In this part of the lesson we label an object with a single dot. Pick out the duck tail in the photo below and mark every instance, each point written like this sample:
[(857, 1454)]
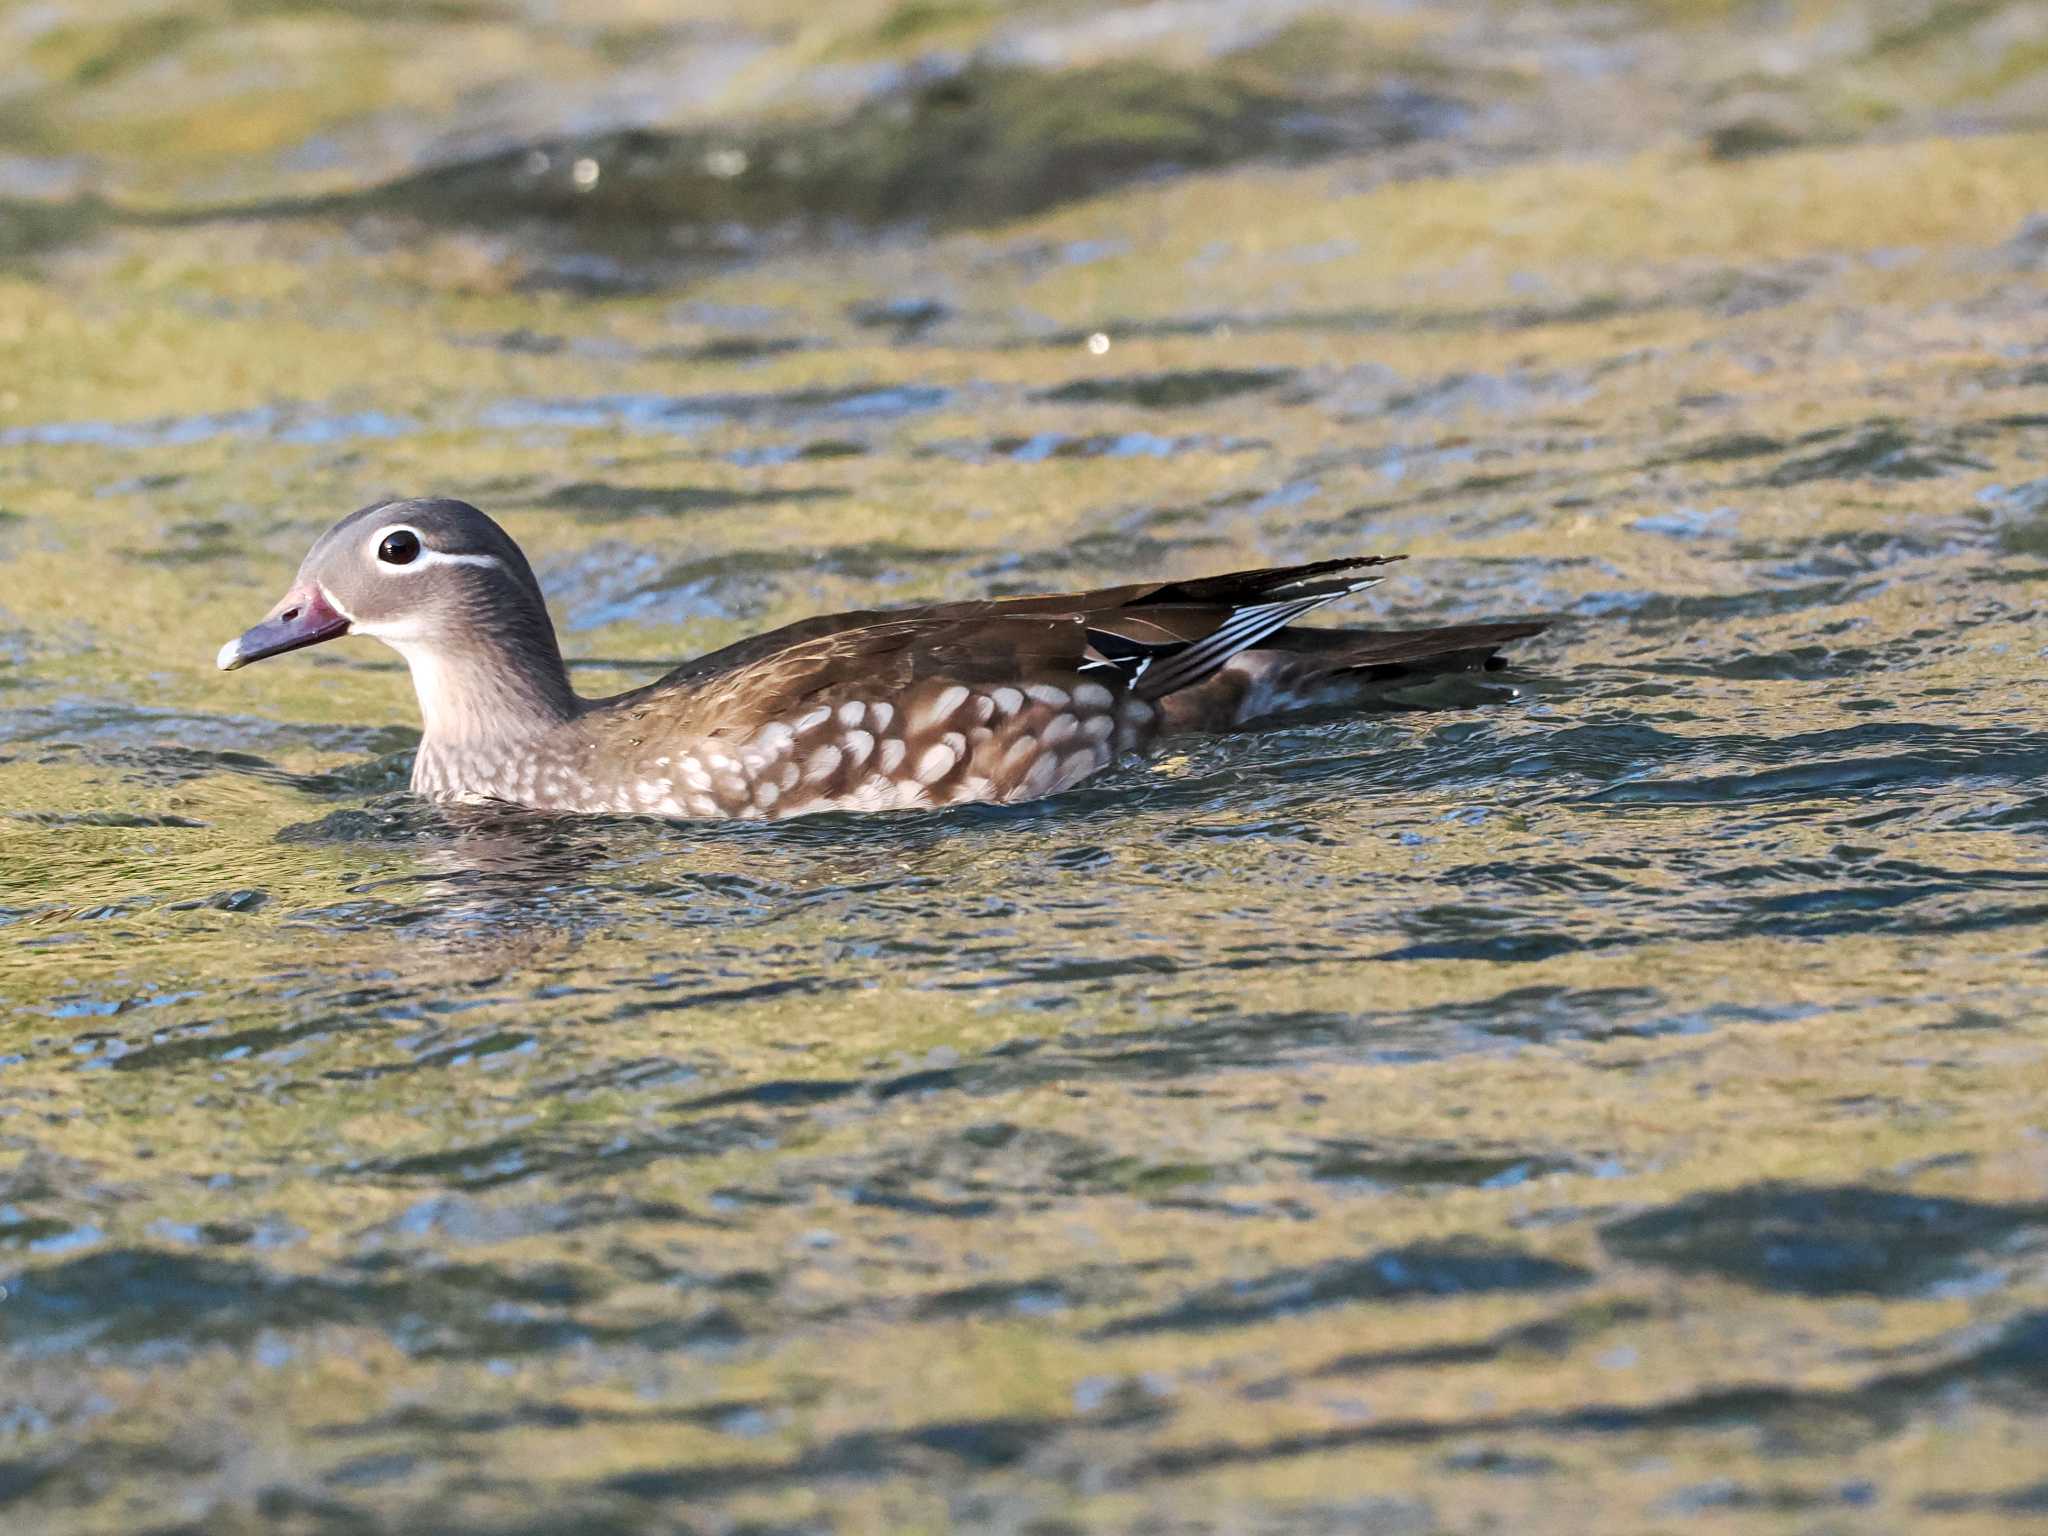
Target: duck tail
[(1296, 670)]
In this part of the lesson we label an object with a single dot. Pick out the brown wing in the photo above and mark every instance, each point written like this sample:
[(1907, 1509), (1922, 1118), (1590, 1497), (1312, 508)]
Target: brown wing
[(885, 659), (998, 700), (1210, 617), (920, 711)]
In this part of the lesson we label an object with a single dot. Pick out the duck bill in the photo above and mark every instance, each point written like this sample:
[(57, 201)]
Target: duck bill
[(304, 618)]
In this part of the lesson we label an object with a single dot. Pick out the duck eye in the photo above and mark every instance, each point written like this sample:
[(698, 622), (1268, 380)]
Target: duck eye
[(400, 548)]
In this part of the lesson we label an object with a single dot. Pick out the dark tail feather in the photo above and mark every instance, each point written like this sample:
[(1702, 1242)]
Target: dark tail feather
[(1186, 665), (1170, 638), (1311, 669), (1452, 648), (1243, 589)]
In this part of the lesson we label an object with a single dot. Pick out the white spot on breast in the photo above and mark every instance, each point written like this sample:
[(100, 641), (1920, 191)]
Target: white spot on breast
[(1039, 779), (857, 745), (1078, 765), (871, 795), (813, 719), (1091, 695), (984, 706), (885, 795), (891, 755), (937, 762), (1097, 727), (766, 794), (1018, 752), (1057, 730), (852, 712), (822, 763), (1138, 712), (1046, 694), (940, 707), (694, 774), (1008, 700), (774, 736), (789, 773), (719, 762), (883, 714)]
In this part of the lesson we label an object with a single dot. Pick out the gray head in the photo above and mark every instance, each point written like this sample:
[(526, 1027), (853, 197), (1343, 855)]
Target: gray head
[(446, 588)]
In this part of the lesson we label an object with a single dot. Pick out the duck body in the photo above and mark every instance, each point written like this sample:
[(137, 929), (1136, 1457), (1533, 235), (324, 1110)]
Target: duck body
[(936, 743), (999, 700)]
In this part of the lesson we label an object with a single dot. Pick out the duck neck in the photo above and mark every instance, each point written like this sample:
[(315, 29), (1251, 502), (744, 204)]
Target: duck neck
[(489, 690)]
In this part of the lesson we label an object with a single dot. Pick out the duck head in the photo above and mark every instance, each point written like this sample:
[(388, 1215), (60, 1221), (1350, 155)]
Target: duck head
[(445, 587)]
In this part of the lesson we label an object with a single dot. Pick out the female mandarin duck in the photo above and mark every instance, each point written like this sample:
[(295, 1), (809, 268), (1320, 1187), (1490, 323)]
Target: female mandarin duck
[(1000, 700)]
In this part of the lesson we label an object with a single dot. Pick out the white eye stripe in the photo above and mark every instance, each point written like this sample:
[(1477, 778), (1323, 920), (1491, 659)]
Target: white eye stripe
[(426, 557), (437, 557)]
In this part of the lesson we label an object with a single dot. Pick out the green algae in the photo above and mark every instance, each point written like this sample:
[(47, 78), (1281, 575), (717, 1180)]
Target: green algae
[(30, 228), (919, 21), (1169, 390), (989, 142)]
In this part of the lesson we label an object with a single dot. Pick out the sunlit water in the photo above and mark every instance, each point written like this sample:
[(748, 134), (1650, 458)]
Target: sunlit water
[(1607, 1095)]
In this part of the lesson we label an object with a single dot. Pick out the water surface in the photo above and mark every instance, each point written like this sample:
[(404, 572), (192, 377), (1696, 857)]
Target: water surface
[(1608, 1096)]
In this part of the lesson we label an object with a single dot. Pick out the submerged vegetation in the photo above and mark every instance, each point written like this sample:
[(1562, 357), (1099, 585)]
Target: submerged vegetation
[(712, 138), (987, 142)]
